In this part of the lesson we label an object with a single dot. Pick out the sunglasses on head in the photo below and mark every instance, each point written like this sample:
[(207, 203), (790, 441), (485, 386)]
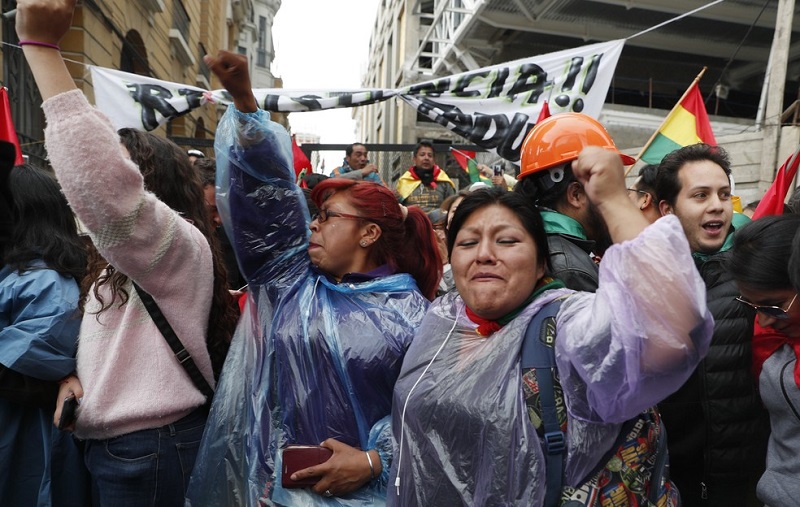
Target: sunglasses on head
[(776, 312)]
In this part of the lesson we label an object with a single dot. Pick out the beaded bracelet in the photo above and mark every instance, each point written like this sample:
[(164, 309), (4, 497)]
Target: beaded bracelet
[(371, 468), (40, 44)]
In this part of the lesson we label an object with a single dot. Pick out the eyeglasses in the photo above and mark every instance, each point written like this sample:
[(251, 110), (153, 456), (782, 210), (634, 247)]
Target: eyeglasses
[(324, 214), (637, 191), (776, 312)]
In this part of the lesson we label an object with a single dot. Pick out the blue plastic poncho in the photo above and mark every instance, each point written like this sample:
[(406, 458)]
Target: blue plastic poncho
[(311, 359), (460, 415), (39, 322)]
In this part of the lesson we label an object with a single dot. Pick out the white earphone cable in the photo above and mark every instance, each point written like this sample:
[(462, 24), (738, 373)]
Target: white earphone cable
[(405, 404)]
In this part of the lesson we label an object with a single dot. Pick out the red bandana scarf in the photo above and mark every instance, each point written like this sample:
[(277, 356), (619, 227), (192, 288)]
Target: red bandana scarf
[(436, 171), (488, 327), (765, 342)]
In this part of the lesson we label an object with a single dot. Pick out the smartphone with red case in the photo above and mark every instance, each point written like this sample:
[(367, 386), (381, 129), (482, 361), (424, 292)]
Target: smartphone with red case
[(298, 457)]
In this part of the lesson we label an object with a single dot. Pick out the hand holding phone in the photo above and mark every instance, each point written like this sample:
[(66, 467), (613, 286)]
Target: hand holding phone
[(498, 169), (299, 457), (68, 412)]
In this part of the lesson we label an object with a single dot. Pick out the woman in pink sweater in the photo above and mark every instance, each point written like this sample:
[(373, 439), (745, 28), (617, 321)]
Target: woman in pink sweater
[(143, 206)]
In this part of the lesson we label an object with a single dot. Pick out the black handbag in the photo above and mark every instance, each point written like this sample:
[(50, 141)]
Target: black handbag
[(181, 354)]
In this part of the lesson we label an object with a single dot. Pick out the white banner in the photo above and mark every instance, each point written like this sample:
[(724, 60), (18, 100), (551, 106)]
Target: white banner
[(134, 101), (298, 101), (493, 107), (496, 106)]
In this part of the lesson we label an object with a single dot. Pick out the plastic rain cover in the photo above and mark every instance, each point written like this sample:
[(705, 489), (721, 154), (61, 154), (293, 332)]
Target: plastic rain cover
[(466, 438), (310, 359)]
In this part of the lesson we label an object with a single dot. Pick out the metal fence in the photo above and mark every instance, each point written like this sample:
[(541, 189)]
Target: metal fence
[(392, 160)]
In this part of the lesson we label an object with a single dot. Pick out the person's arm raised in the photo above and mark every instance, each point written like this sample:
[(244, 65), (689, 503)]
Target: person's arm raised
[(601, 174), (262, 208), (638, 338), (128, 225), (231, 69), (45, 22)]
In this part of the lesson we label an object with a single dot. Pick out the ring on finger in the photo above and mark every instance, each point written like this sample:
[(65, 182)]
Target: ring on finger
[(328, 493)]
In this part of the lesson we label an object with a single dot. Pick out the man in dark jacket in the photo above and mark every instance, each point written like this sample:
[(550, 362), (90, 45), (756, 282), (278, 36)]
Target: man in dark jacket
[(576, 233), (717, 426)]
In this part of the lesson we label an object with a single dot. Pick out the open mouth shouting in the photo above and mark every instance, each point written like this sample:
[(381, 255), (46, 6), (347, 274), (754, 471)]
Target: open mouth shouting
[(714, 228)]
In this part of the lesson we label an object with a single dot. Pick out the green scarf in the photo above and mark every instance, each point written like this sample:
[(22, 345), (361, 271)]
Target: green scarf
[(556, 223), (738, 220), (548, 283)]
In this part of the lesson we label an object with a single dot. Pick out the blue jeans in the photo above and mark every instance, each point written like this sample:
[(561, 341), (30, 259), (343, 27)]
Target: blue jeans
[(148, 467)]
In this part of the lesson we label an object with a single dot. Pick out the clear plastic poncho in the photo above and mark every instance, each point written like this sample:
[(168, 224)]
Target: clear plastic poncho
[(460, 417), (310, 359)]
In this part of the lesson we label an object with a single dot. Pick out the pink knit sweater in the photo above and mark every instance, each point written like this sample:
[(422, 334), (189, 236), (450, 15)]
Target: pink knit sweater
[(130, 377)]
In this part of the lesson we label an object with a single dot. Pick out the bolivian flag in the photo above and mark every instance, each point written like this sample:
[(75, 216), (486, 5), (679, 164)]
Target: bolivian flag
[(686, 124), (466, 159)]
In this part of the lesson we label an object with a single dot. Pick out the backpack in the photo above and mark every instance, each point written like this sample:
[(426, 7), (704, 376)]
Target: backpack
[(634, 472)]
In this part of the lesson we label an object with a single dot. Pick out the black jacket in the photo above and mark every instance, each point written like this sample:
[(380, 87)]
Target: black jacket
[(717, 427), (571, 263)]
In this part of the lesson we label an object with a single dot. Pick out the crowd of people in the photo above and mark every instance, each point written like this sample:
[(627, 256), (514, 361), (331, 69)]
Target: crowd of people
[(215, 335)]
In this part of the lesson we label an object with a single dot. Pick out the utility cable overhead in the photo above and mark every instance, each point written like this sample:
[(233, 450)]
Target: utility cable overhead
[(736, 52)]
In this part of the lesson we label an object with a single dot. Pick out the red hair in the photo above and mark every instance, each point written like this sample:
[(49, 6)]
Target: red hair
[(407, 245)]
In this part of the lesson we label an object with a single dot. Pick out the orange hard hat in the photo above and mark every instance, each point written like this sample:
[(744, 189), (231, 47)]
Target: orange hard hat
[(559, 139)]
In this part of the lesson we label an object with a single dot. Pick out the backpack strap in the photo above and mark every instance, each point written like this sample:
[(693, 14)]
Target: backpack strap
[(538, 352), (181, 354), (660, 469)]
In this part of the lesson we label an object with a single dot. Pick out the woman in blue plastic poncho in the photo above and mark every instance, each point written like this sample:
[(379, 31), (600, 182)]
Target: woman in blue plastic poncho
[(461, 407), (329, 318), (43, 262)]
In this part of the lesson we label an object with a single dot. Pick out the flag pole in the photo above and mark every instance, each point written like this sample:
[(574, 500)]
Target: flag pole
[(677, 104), (468, 158), (462, 153)]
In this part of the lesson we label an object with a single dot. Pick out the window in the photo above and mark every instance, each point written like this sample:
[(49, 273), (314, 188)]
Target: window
[(133, 57), (261, 52)]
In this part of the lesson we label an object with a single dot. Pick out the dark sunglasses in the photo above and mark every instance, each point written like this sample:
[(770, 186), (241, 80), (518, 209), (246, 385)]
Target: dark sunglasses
[(324, 214), (776, 312)]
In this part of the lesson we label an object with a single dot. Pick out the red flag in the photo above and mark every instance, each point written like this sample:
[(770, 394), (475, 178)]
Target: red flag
[(7, 131), (544, 113), (772, 202), (462, 157), (300, 160)]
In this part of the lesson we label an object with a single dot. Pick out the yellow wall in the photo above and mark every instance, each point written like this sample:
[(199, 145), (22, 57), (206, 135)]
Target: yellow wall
[(96, 38)]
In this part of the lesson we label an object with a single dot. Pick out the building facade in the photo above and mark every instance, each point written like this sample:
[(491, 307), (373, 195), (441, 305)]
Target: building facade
[(255, 37), (418, 40), (163, 39)]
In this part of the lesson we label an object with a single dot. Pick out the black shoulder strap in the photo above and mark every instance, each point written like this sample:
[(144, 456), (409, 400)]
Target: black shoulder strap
[(538, 351), (181, 354)]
